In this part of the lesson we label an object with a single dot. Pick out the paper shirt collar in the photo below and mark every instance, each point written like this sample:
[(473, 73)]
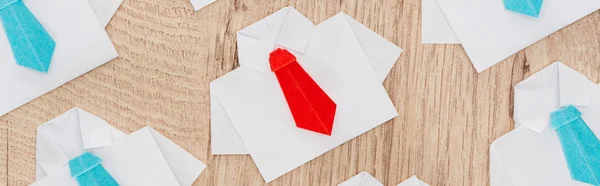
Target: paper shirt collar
[(84, 130), (286, 28), (548, 90)]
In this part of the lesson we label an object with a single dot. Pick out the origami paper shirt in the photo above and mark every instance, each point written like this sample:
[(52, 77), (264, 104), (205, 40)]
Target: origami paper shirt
[(144, 157), (88, 170), (82, 44), (580, 145), (250, 112), (528, 7), (31, 45), (489, 32), (532, 153), (311, 107)]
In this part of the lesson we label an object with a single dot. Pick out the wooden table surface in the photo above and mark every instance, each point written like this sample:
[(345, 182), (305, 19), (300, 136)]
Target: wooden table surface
[(169, 53)]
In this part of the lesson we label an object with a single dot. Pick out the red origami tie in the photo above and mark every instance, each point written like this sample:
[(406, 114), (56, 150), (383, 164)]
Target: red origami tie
[(311, 107)]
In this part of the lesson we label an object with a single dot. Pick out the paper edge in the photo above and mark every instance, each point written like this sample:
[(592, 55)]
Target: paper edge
[(199, 4)]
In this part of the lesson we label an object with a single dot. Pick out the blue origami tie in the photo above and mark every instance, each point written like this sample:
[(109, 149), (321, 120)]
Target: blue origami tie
[(32, 46), (580, 146), (528, 7), (88, 170)]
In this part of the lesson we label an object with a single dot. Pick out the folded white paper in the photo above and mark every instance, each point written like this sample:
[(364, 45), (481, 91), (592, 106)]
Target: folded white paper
[(145, 157), (361, 179), (435, 28), (413, 181), (81, 45), (199, 4), (489, 33), (531, 154), (249, 112), (365, 179), (105, 9)]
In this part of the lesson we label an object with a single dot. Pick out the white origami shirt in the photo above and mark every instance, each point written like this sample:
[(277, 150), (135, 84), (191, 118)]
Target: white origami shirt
[(77, 27), (532, 153), (144, 157), (248, 110), (489, 33)]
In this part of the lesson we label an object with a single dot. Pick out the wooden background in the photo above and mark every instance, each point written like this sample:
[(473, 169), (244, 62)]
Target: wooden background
[(169, 53)]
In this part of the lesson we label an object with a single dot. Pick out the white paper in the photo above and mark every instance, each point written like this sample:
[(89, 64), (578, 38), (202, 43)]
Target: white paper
[(548, 90), (257, 41), (435, 28), (489, 33), (81, 45), (184, 165), (382, 54), (224, 138), (252, 100), (366, 179), (199, 4), (144, 157), (137, 160), (105, 9), (527, 156), (60, 139), (413, 181), (361, 179)]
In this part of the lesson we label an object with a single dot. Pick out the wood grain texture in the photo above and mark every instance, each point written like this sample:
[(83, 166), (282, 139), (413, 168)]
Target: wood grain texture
[(169, 53)]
